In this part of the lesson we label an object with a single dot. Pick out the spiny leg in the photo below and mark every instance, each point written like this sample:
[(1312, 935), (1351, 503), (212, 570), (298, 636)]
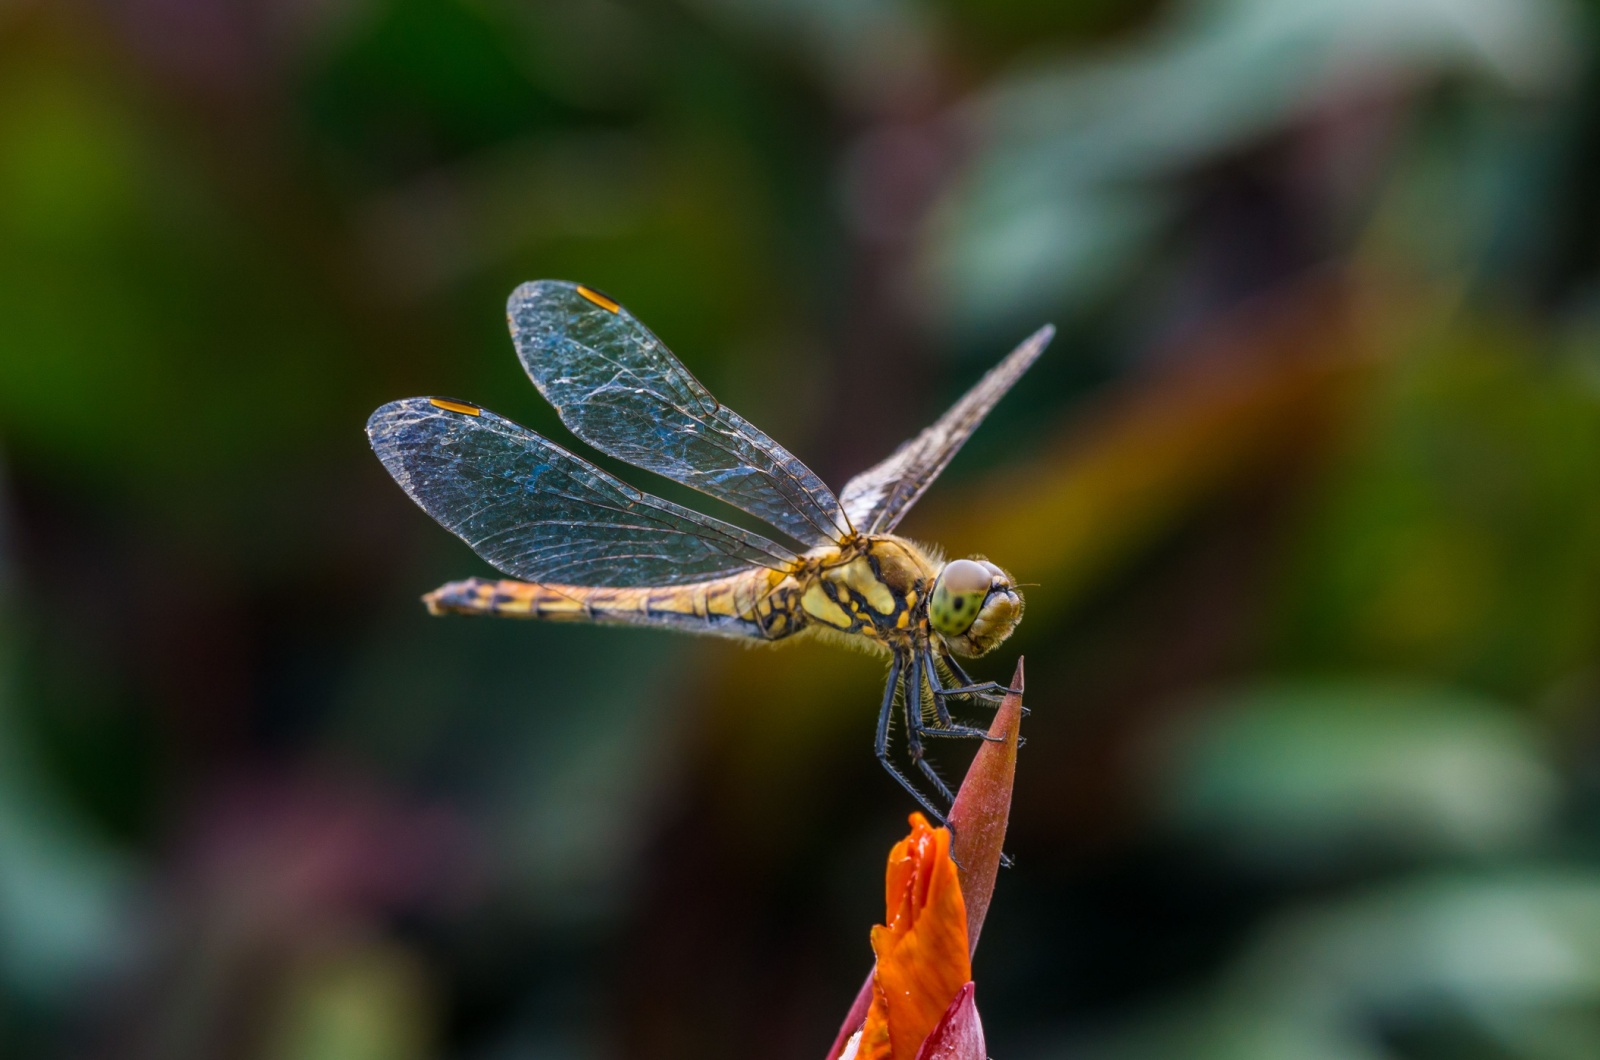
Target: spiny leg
[(979, 689), (915, 730), (885, 713), (947, 727), (983, 690)]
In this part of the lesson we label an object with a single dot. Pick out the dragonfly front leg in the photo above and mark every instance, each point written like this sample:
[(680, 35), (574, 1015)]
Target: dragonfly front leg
[(947, 726), (968, 687), (885, 713)]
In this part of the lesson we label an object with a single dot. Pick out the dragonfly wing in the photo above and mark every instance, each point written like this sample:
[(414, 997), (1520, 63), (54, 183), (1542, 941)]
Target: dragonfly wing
[(537, 512), (616, 386), (877, 499)]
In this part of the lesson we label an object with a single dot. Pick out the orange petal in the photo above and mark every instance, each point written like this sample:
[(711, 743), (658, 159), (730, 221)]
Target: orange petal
[(923, 958)]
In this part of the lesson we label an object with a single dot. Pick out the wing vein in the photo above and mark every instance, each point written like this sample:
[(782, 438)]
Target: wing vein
[(616, 386), (536, 511)]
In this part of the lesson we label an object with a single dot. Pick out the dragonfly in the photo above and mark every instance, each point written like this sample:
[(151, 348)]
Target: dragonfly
[(580, 545)]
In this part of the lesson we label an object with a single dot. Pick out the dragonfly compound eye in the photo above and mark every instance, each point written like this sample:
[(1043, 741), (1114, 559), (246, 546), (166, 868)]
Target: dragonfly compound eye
[(958, 595)]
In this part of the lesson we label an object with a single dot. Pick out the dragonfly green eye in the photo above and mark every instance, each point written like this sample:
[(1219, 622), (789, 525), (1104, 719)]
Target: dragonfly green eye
[(958, 596)]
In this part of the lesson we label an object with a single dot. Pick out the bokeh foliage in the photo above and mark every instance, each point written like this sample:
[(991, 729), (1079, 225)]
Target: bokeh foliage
[(1307, 489)]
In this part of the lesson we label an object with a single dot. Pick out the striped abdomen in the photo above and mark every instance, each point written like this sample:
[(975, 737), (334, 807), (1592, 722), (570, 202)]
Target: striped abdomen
[(754, 603)]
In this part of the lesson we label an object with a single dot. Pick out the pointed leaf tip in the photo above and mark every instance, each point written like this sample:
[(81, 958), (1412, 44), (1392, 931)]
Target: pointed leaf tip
[(983, 807)]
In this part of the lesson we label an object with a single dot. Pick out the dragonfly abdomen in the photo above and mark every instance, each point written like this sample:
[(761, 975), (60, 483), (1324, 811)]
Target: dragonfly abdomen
[(745, 605)]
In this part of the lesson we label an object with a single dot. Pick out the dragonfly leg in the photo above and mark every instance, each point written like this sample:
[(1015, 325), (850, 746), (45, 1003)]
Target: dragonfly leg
[(983, 690), (947, 726), (885, 714), (915, 729), (939, 784), (955, 668), (990, 690), (935, 683)]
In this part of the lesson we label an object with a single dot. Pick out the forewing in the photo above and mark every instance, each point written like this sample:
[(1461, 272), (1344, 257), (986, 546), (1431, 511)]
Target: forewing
[(877, 499), (616, 386), (539, 513)]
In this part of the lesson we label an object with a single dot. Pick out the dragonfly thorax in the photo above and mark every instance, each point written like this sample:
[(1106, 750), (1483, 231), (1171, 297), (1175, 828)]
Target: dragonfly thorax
[(887, 589), (876, 586)]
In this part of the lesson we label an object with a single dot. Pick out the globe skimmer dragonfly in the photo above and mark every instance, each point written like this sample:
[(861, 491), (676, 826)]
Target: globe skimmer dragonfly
[(580, 545)]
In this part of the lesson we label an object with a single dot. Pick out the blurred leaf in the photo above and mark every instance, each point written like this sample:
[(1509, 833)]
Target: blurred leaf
[(62, 888), (1075, 177), (1500, 966), (865, 50), (993, 28), (1295, 774), (362, 1003), (165, 345), (1461, 537), (417, 82)]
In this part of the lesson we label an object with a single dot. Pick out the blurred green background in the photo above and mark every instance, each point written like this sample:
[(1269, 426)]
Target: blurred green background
[(1309, 485)]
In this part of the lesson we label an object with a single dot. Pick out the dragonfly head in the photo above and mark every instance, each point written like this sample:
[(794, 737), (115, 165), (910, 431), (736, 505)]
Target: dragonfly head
[(974, 605)]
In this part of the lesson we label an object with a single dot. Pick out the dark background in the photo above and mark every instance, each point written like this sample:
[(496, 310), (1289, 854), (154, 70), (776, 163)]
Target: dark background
[(1309, 485)]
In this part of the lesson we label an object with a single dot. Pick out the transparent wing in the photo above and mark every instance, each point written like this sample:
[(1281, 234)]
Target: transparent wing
[(537, 512), (619, 389), (877, 499)]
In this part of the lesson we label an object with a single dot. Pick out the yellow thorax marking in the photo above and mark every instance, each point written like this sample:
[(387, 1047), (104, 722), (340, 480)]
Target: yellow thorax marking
[(598, 299), (456, 406), (857, 576), (816, 603)]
